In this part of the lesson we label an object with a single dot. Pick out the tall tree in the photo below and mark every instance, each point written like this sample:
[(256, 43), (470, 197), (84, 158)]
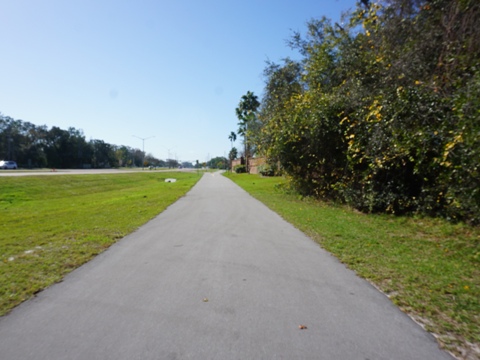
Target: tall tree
[(218, 162), (247, 116), (232, 155), (232, 137), (103, 154)]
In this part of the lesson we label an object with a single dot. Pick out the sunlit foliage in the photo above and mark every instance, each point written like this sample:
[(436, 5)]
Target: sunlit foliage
[(383, 111)]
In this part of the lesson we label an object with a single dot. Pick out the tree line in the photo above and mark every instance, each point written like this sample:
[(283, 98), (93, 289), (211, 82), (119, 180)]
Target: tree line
[(380, 112), (33, 146)]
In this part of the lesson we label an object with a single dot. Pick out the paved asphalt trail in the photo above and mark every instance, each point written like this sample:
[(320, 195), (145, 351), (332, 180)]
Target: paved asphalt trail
[(216, 276)]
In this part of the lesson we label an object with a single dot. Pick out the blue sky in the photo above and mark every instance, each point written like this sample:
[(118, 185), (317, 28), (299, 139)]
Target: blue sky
[(172, 71)]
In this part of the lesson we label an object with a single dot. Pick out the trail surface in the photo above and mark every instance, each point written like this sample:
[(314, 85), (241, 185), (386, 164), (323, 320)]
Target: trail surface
[(215, 276)]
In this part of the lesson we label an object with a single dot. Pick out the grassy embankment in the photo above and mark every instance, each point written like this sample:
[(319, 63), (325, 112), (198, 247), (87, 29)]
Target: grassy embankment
[(428, 267), (53, 224)]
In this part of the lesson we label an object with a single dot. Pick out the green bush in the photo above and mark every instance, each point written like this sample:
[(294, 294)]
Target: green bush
[(240, 169), (268, 170), (386, 118)]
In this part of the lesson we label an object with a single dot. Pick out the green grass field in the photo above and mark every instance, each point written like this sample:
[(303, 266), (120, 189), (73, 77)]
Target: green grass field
[(428, 267), (52, 224)]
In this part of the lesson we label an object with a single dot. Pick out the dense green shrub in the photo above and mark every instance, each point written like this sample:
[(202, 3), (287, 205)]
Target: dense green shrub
[(383, 112), (240, 169), (268, 170)]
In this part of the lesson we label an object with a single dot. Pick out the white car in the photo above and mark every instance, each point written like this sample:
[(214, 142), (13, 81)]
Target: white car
[(5, 164)]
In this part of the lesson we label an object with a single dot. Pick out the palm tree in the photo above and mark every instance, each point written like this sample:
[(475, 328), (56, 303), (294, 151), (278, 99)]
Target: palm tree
[(232, 137), (246, 114)]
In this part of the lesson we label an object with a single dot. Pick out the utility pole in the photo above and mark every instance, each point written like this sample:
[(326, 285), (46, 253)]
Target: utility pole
[(169, 160), (143, 148)]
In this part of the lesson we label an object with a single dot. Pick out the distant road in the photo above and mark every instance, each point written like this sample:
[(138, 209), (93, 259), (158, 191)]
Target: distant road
[(216, 276), (78, 171)]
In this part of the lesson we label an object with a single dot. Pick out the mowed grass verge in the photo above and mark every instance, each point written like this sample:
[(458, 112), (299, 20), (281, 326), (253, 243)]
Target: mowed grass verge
[(52, 224), (428, 267)]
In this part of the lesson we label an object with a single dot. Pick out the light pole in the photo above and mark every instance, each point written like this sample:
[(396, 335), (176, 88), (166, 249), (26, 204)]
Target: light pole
[(143, 148), (169, 161)]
